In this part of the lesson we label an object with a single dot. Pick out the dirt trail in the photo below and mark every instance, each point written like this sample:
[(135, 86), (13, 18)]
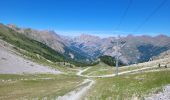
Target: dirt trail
[(78, 93), (112, 75), (81, 71)]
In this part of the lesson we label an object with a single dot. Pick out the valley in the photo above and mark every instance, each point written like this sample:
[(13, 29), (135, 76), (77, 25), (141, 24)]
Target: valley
[(32, 69), (84, 50)]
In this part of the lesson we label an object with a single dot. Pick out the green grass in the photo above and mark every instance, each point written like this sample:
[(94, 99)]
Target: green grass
[(124, 87), (36, 86), (103, 69), (97, 68), (106, 70)]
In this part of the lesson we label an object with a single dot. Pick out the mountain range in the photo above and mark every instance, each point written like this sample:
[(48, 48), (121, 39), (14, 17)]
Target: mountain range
[(89, 48), (136, 48)]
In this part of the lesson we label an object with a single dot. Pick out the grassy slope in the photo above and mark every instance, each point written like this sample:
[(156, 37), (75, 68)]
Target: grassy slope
[(126, 86), (28, 44), (41, 60), (30, 48), (36, 86), (32, 86), (98, 69), (14, 87), (35, 47), (103, 69)]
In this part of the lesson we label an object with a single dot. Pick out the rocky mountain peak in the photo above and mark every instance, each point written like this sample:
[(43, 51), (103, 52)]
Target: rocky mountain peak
[(12, 26), (87, 38)]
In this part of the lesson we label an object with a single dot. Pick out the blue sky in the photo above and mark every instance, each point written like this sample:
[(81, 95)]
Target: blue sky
[(99, 17)]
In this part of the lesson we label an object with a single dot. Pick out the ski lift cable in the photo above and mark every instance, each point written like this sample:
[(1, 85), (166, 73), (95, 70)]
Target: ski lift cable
[(124, 15), (151, 14)]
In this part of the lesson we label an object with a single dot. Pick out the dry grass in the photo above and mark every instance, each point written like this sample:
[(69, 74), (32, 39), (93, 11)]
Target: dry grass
[(36, 86)]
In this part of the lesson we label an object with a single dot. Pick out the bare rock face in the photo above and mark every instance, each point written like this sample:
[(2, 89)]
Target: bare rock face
[(49, 38)]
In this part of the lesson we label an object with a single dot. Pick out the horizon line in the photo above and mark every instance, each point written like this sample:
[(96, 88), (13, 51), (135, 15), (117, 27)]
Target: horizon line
[(99, 33), (106, 34)]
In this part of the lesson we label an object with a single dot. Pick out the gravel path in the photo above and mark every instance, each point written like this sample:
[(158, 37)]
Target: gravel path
[(81, 71), (78, 93), (112, 75)]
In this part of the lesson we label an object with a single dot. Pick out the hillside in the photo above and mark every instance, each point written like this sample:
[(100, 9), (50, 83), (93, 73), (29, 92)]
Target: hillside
[(53, 40), (163, 55), (111, 61), (28, 44), (35, 47), (11, 62)]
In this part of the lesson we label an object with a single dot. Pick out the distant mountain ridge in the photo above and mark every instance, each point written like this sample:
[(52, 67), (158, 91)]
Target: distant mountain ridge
[(51, 39), (136, 49), (89, 48)]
